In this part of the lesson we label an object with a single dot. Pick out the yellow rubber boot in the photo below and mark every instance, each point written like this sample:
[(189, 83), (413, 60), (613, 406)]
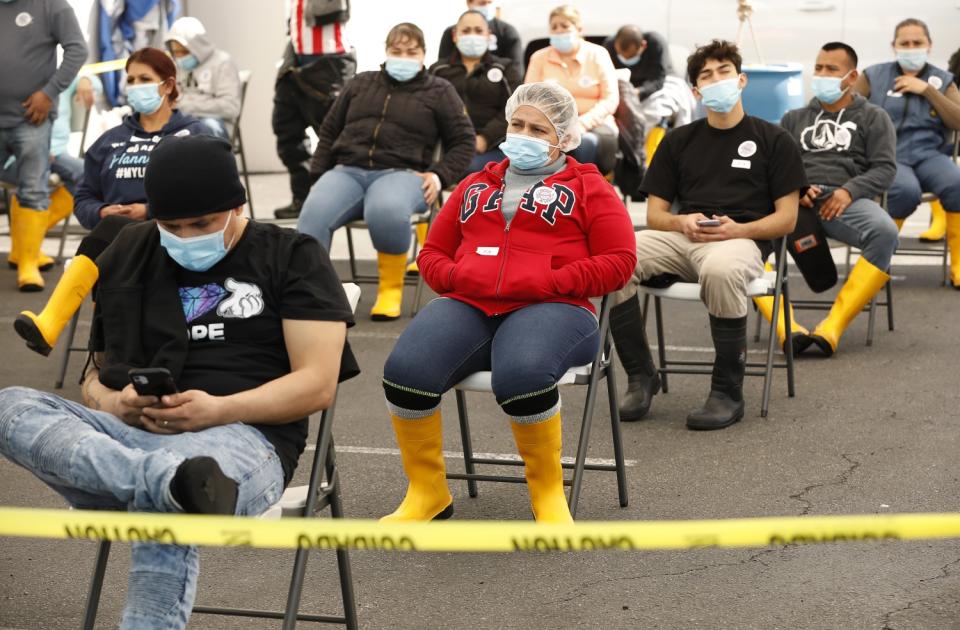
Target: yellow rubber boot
[(862, 284), (421, 231), (899, 223), (938, 223), (390, 289), (953, 243), (44, 262), (539, 446), (61, 206), (41, 331), (765, 306), (653, 141), (29, 227), (421, 449)]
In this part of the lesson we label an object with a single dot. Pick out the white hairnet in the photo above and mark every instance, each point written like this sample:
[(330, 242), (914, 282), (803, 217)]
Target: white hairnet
[(556, 103)]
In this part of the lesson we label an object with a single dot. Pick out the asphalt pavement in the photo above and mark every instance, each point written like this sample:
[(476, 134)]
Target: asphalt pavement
[(872, 430)]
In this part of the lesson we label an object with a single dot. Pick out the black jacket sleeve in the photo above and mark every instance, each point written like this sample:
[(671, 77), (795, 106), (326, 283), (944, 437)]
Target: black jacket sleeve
[(509, 46), (496, 128), (656, 65), (456, 134), (333, 123)]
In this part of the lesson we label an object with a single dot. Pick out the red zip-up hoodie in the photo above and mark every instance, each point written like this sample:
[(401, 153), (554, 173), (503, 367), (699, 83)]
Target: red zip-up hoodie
[(571, 239)]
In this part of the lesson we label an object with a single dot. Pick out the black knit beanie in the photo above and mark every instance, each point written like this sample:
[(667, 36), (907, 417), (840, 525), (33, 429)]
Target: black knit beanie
[(189, 176)]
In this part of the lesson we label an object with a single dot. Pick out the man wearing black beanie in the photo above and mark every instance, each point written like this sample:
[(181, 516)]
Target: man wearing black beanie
[(249, 322)]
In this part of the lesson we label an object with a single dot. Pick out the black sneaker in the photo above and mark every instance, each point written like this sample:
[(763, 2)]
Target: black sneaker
[(200, 487), (289, 211)]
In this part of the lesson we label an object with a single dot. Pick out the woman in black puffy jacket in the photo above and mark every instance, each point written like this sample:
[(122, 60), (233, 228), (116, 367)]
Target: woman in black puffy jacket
[(374, 160)]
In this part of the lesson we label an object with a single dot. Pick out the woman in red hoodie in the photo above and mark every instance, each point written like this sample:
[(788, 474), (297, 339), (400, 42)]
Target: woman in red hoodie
[(515, 254)]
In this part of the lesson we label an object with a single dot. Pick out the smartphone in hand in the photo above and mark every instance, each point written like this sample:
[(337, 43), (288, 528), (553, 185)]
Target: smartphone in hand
[(152, 381), (708, 222)]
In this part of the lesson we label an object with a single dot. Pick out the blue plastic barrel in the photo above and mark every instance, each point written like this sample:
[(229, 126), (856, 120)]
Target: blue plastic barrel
[(773, 90)]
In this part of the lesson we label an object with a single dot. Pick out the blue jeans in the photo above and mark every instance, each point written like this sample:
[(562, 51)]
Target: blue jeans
[(481, 159), (936, 173), (866, 226), (30, 145), (70, 170), (385, 199), (216, 127), (96, 461), (527, 351)]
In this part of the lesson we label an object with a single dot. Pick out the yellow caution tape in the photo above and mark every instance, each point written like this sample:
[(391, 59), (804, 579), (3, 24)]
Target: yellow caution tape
[(473, 536), (104, 66)]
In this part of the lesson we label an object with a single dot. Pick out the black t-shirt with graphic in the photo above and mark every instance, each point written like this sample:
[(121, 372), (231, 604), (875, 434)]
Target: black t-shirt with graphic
[(737, 172), (234, 314)]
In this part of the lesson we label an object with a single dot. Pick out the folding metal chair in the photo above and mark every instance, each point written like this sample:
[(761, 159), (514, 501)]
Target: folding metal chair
[(589, 375), (236, 140), (770, 283), (300, 501)]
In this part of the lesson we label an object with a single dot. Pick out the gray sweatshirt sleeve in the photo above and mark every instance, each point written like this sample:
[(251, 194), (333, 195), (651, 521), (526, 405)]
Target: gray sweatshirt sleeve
[(66, 31), (881, 141), (224, 103)]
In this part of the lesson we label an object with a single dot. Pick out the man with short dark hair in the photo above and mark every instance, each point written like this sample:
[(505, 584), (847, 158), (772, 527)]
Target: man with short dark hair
[(249, 320), (736, 181), (645, 54), (849, 150)]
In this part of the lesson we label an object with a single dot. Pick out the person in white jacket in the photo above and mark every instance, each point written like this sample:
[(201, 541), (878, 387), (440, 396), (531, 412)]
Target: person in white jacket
[(209, 79)]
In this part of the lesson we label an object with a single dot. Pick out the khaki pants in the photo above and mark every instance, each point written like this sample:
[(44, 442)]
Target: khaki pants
[(723, 268)]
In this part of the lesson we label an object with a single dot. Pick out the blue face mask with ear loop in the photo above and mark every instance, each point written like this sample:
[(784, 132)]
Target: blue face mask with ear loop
[(196, 253), (629, 61), (188, 63), (721, 96), (912, 59), (401, 68), (525, 152), (489, 11), (564, 42), (144, 98), (827, 89)]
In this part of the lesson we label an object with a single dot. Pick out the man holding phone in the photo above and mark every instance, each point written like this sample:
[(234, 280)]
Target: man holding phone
[(849, 149), (248, 321), (736, 181)]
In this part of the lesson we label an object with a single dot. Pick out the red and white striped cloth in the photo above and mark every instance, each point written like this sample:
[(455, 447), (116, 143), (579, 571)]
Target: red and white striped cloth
[(329, 39)]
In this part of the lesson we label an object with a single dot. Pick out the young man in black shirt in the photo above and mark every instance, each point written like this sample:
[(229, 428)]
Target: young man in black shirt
[(736, 181), (249, 319)]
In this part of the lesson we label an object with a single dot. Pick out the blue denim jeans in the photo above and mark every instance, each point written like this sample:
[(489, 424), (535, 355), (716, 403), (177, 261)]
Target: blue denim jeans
[(385, 199), (866, 226), (527, 350), (936, 173), (481, 159), (70, 170), (95, 461), (30, 145)]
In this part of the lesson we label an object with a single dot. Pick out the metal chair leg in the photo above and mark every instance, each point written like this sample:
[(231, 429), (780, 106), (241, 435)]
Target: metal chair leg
[(466, 442), (353, 256), (617, 436), (771, 343), (661, 344), (246, 172), (64, 232), (871, 319), (791, 391), (67, 349), (96, 585), (890, 305), (344, 569)]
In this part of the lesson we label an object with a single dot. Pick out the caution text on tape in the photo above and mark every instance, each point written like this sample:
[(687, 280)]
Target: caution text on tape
[(470, 536)]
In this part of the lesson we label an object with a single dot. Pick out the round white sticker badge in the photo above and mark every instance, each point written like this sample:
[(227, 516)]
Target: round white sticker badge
[(936, 82), (747, 148), (587, 81), (843, 138), (23, 19), (494, 75), (544, 196)]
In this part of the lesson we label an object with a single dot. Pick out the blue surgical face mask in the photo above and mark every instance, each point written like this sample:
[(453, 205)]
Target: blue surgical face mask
[(401, 68), (144, 98), (912, 59), (489, 10), (472, 45), (721, 96), (827, 89), (196, 253), (188, 62), (564, 42), (526, 153), (629, 61)]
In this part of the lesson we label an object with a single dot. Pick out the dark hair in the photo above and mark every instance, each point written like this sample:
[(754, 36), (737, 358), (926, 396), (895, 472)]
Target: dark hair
[(954, 66), (472, 12), (628, 36), (406, 30), (160, 62), (847, 48), (912, 22), (718, 50)]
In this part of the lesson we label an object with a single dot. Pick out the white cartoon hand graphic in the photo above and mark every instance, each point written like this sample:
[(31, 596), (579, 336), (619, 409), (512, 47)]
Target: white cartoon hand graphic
[(245, 300)]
